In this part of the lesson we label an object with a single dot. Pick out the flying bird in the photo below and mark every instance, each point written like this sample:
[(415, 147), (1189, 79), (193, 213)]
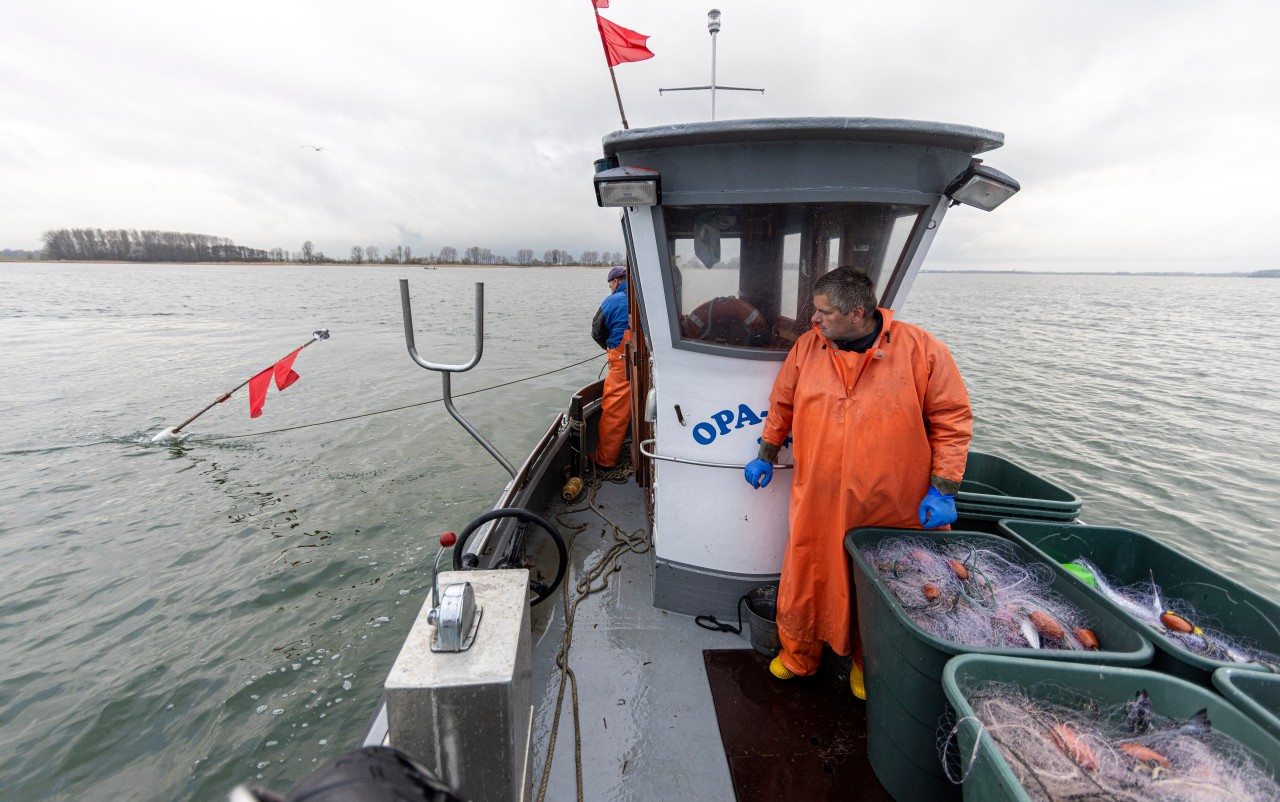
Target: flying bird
[(318, 148)]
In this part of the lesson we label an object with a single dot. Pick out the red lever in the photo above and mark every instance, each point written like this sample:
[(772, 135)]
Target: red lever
[(448, 539)]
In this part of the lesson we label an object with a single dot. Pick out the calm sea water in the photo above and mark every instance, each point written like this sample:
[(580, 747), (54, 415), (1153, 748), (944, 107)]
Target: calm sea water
[(179, 619)]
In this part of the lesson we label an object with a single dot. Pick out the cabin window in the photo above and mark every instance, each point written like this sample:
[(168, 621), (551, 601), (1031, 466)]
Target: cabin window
[(742, 274)]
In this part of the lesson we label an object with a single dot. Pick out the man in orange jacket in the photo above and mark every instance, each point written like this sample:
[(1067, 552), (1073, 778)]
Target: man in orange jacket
[(611, 330), (880, 425)]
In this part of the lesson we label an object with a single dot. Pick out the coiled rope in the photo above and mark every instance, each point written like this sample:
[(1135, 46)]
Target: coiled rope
[(594, 579)]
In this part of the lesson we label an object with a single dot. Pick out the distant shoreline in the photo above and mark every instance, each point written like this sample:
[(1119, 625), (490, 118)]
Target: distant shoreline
[(1152, 273), (293, 264)]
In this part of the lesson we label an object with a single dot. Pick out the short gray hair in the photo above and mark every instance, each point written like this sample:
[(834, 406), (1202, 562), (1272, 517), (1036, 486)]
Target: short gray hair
[(847, 288)]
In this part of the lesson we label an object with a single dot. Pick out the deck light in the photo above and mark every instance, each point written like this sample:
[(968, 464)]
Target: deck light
[(982, 187), (628, 186)]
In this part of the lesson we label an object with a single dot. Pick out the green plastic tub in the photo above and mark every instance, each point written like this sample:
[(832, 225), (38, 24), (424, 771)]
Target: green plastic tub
[(990, 779), (1256, 694), (903, 663), (991, 481), (991, 512), (1128, 557)]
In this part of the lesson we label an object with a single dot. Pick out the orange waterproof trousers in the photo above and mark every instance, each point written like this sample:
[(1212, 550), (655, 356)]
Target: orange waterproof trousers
[(615, 407), (868, 430)]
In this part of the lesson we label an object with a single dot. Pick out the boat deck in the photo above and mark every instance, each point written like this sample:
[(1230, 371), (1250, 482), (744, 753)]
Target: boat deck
[(647, 720), (647, 725)]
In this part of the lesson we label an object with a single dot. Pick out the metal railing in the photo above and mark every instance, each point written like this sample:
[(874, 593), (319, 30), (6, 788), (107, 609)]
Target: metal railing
[(446, 371)]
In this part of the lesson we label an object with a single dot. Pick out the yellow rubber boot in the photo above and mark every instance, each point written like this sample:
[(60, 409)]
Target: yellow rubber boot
[(856, 683), (780, 671)]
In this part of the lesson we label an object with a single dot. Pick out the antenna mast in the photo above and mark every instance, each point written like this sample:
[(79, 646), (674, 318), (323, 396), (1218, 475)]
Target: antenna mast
[(713, 25)]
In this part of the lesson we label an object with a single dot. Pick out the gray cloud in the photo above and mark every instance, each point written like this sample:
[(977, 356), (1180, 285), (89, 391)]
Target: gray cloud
[(1140, 131)]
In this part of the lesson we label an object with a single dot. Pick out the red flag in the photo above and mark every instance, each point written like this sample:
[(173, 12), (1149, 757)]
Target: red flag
[(258, 392), (601, 3), (284, 372), (621, 44)]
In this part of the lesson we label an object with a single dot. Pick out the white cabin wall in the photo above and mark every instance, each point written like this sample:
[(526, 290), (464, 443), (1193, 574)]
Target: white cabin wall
[(707, 517)]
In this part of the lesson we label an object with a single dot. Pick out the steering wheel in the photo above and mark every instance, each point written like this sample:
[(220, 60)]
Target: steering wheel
[(541, 592)]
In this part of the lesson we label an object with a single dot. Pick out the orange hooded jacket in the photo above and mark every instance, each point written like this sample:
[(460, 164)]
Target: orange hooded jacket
[(867, 431)]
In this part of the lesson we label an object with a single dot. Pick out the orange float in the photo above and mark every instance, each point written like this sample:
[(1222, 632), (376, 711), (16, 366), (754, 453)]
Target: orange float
[(1176, 623), (1142, 754), (1074, 746), (1046, 625), (1086, 637)]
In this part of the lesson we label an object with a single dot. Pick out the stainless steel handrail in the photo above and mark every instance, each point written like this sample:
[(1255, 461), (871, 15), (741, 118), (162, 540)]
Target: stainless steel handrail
[(684, 461), (445, 370)]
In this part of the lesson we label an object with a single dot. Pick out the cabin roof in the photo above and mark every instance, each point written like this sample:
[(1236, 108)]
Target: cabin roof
[(834, 129)]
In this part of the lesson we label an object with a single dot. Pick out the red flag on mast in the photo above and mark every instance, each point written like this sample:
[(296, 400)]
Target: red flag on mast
[(284, 372), (284, 375), (258, 386), (600, 3), (621, 44)]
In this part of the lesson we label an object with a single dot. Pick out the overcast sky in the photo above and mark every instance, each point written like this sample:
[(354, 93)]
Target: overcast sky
[(1144, 133)]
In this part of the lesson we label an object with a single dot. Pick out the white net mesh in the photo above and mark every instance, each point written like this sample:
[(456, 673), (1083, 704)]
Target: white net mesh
[(979, 596), (1076, 750)]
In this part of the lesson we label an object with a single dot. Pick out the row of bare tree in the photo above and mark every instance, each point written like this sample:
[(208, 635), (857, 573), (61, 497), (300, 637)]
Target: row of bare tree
[(128, 245), (475, 255)]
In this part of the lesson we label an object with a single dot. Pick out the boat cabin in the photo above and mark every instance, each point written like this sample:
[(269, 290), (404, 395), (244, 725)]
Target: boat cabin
[(727, 225)]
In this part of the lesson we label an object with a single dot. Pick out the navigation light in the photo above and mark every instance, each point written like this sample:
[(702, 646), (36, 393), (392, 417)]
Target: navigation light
[(628, 186), (982, 187)]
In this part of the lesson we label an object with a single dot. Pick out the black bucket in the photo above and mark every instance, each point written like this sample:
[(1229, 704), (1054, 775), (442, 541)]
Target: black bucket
[(762, 615)]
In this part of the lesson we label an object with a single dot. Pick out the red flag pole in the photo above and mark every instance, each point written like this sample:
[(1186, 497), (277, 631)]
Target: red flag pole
[(172, 432), (612, 76)]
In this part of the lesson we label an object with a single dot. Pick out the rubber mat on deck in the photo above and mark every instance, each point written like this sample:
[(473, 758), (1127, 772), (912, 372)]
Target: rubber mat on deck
[(802, 739)]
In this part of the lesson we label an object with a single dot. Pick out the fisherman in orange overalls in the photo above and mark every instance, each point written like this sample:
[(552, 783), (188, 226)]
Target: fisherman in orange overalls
[(880, 425), (611, 330)]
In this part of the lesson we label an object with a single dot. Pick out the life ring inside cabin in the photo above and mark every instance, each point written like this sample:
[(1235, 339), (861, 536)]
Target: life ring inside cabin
[(727, 320)]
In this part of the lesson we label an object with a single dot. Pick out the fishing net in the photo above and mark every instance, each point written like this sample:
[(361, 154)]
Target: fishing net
[(1073, 749), (979, 596), (1178, 620)]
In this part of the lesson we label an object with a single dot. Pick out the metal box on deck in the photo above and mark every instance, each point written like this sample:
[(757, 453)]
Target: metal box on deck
[(466, 715), (903, 663)]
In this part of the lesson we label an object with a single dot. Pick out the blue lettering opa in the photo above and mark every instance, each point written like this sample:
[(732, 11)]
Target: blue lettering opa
[(705, 433)]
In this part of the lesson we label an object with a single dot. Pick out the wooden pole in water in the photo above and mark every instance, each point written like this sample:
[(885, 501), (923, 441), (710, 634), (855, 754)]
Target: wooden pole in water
[(317, 336)]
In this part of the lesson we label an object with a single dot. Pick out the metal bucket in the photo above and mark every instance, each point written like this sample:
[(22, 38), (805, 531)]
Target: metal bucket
[(762, 616)]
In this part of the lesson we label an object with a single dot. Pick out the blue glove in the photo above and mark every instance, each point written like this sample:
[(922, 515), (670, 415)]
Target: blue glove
[(758, 472), (937, 509)]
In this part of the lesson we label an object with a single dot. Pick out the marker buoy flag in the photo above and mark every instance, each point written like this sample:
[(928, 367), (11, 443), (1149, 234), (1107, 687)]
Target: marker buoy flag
[(284, 372), (284, 375), (258, 387)]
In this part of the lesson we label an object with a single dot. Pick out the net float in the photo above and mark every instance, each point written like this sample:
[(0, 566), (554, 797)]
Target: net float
[(1142, 754), (962, 573), (1086, 637), (926, 560), (1046, 625), (931, 592), (1073, 746), (1175, 622)]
